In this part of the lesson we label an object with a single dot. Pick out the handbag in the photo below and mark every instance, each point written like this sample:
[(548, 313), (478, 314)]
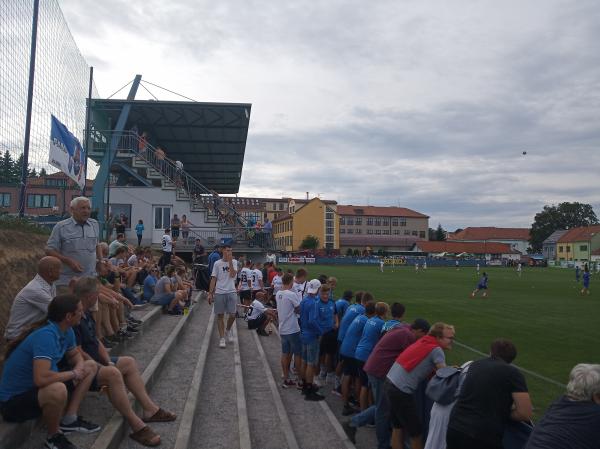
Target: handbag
[(443, 386)]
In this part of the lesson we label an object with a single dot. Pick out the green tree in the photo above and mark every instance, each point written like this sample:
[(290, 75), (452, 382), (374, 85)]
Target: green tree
[(310, 242), (440, 234), (553, 218), (349, 252), (356, 253), (7, 168), (43, 172)]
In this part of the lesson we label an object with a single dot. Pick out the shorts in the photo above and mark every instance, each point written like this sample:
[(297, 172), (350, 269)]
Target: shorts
[(481, 287), (94, 385), (310, 352), (174, 232), (403, 410), (291, 344), (257, 322), (360, 372), (329, 342), (22, 407), (225, 303), (246, 295), (163, 300), (349, 366)]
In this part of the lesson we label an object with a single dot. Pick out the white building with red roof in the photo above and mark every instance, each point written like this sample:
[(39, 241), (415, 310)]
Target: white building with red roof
[(516, 238)]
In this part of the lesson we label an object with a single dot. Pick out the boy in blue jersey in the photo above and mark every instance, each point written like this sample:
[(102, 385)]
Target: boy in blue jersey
[(482, 285), (309, 335), (347, 350), (342, 304), (327, 323), (586, 281), (369, 338), (397, 311)]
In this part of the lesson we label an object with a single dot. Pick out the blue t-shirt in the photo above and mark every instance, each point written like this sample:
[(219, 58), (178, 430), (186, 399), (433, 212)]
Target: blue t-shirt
[(149, 284), (352, 336), (351, 312), (308, 332), (212, 258), (139, 229), (586, 278), (369, 338), (325, 316), (48, 342), (391, 324), (483, 282), (341, 305)]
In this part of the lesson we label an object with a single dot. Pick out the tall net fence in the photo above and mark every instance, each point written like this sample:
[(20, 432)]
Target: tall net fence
[(60, 88)]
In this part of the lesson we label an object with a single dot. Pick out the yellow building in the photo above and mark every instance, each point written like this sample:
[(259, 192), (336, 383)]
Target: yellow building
[(315, 217)]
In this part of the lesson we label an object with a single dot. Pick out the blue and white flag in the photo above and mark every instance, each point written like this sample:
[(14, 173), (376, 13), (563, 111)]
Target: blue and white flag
[(66, 153)]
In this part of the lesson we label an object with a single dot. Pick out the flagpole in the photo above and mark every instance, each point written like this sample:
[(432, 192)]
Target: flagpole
[(86, 139), (25, 167)]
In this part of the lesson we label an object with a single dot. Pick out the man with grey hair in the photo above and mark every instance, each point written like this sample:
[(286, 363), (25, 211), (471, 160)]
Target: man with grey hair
[(75, 242), (573, 421), (31, 303)]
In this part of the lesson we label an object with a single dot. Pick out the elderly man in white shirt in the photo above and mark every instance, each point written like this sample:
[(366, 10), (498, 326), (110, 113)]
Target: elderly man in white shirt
[(31, 303)]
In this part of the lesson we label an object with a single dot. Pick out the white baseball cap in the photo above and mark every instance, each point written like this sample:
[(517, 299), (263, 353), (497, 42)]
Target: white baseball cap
[(313, 286)]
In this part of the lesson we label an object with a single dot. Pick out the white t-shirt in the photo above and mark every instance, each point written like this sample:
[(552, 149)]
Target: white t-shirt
[(132, 261), (300, 289), (277, 283), (167, 243), (245, 276), (256, 278), (257, 309), (225, 283), (287, 300)]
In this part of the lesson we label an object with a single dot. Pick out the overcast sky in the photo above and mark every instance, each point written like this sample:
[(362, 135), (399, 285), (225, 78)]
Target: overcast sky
[(423, 104)]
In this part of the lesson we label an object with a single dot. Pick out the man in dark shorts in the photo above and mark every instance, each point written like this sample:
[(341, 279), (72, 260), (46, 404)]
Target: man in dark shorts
[(328, 322), (32, 385), (116, 373)]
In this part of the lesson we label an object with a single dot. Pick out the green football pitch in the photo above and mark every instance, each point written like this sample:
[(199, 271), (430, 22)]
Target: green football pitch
[(542, 312)]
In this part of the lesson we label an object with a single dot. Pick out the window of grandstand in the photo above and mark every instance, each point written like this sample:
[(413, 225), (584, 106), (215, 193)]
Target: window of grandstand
[(378, 221), (582, 247), (386, 221), (396, 231), (162, 217), (415, 233), (402, 221), (386, 232), (394, 221), (359, 221), (378, 231), (4, 199), (369, 221), (36, 200)]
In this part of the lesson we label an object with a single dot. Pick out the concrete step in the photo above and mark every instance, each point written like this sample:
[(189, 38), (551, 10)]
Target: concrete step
[(139, 162), (153, 174), (168, 185)]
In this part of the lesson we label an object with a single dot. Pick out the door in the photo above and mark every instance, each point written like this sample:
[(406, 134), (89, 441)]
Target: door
[(162, 219)]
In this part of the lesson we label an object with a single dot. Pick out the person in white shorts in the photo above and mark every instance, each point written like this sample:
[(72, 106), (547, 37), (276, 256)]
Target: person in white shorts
[(223, 293)]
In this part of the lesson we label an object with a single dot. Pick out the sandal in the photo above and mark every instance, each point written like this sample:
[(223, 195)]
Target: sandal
[(146, 436), (161, 415)]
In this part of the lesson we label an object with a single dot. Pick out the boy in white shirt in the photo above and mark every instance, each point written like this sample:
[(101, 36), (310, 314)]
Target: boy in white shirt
[(288, 305), (259, 316), (299, 285), (223, 293), (245, 285), (257, 280)]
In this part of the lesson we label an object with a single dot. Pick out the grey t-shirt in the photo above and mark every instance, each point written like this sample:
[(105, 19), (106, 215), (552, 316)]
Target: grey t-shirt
[(78, 242), (409, 381), (160, 288)]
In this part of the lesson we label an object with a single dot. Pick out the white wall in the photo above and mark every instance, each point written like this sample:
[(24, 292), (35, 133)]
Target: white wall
[(142, 200)]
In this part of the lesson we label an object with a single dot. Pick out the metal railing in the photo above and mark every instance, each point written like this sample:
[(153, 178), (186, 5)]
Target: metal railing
[(199, 196)]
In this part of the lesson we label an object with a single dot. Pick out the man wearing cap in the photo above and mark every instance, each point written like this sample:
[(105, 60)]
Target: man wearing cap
[(309, 335), (377, 366)]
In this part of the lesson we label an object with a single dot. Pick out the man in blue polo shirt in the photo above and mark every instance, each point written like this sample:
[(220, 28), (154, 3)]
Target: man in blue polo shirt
[(214, 257), (32, 384), (309, 335)]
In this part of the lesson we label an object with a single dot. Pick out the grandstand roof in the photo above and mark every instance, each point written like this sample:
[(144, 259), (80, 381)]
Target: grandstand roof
[(388, 211), (465, 247), (490, 233), (580, 234), (209, 138)]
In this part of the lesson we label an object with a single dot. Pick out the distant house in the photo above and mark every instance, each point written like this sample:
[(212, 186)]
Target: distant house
[(487, 250), (517, 238), (578, 244), (549, 245)]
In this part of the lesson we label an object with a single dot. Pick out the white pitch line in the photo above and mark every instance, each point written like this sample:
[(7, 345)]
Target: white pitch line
[(244, 427)]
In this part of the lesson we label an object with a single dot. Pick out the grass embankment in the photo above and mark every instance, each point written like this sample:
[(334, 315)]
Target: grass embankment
[(542, 312)]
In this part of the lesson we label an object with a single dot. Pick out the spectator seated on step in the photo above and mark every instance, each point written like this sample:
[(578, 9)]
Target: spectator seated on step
[(32, 385), (119, 242), (116, 373), (127, 273), (259, 316), (31, 303), (167, 295), (150, 284), (180, 281)]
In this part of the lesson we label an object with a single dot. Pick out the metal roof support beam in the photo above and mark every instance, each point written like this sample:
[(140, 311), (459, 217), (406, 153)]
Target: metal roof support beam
[(98, 191)]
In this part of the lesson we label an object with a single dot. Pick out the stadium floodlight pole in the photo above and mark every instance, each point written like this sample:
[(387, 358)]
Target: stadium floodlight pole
[(88, 116), (25, 167)]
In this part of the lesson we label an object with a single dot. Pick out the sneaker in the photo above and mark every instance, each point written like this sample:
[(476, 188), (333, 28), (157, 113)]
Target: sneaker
[(348, 410), (312, 395), (350, 431), (131, 329), (317, 382), (59, 441), (230, 336), (300, 386), (134, 321), (337, 391), (124, 334), (288, 383), (175, 311), (262, 333), (80, 425), (222, 343)]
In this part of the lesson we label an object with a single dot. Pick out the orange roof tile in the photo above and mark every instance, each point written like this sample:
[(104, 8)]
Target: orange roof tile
[(466, 247), (490, 233), (580, 234), (389, 211)]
